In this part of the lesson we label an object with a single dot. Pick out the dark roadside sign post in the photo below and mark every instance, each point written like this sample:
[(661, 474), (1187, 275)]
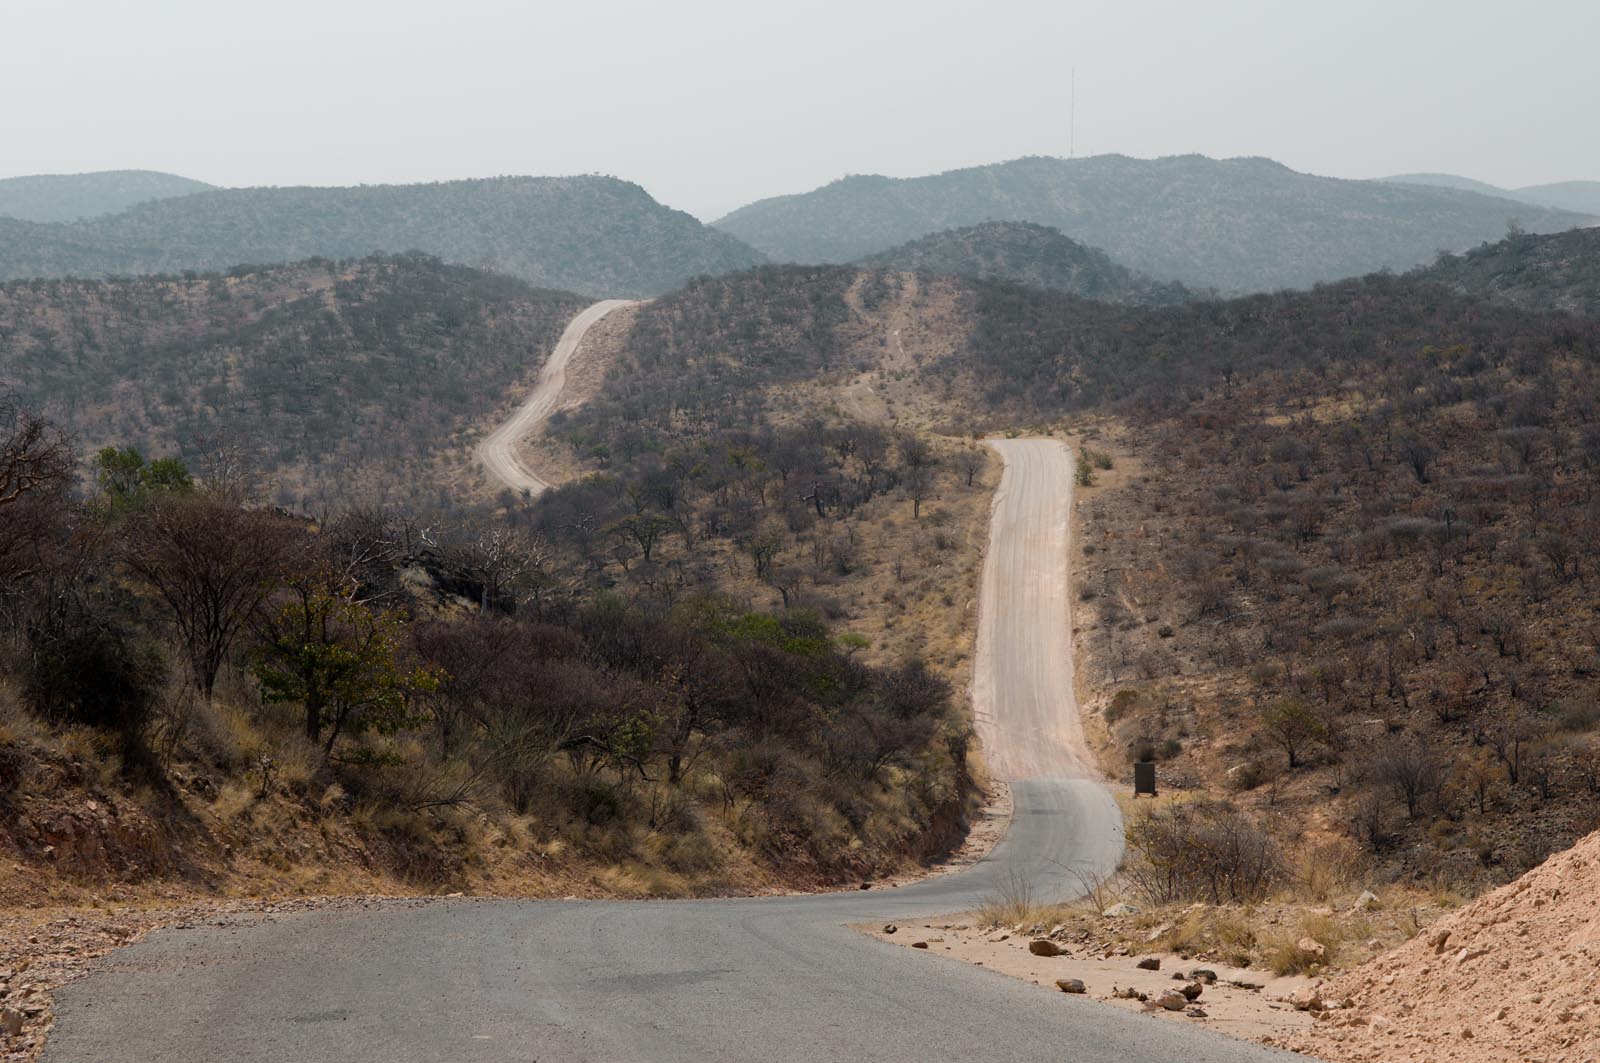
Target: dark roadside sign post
[(1144, 778)]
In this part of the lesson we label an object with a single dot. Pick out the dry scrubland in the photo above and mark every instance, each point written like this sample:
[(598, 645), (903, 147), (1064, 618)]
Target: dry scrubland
[(1333, 550)]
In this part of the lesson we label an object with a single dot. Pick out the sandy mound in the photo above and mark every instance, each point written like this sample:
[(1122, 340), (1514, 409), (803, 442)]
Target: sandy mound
[(1513, 976)]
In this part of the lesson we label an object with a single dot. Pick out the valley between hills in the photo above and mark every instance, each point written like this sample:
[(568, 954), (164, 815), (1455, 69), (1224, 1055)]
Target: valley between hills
[(757, 601)]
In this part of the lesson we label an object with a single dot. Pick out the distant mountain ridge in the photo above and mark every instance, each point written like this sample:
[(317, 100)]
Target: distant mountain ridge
[(1581, 196), (1242, 224), (69, 197), (1035, 255), (596, 235)]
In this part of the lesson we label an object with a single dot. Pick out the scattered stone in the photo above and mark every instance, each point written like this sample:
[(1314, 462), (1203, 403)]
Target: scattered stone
[(890, 928), (1071, 985), (1312, 947), (919, 944), (1306, 998), (1129, 993), (1158, 933), (1119, 910), (11, 1022), (1192, 991), (1172, 1000), (1150, 963), (1195, 1013), (1366, 902), (1044, 947), (1204, 975)]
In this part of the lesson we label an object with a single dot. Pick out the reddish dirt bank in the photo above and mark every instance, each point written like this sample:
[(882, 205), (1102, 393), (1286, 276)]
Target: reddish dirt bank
[(1513, 977)]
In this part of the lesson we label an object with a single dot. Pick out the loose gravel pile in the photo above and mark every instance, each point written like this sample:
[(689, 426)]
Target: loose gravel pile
[(1513, 976)]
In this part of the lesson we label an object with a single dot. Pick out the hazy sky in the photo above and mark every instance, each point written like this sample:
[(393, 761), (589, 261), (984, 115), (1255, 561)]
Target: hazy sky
[(710, 104)]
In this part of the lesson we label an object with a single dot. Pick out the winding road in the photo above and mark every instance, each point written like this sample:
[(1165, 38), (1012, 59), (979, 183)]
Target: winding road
[(758, 979), (498, 451)]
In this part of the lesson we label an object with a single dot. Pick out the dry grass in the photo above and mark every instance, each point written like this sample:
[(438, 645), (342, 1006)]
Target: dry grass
[(1294, 951), (1013, 904)]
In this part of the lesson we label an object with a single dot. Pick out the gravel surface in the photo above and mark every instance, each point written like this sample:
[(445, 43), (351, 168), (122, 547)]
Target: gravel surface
[(1512, 977)]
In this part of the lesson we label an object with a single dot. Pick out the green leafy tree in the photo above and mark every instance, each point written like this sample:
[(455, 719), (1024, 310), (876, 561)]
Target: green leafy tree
[(125, 477), (341, 660)]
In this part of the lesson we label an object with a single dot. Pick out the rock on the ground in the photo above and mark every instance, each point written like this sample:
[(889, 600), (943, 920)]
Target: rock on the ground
[(1306, 998), (1150, 963), (1044, 947), (1071, 985), (1119, 910), (1172, 1000), (1366, 902), (11, 1022)]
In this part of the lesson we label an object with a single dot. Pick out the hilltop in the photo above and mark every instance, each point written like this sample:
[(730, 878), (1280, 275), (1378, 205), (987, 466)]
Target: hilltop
[(1245, 224), (596, 235), (1560, 271), (69, 197), (1035, 255)]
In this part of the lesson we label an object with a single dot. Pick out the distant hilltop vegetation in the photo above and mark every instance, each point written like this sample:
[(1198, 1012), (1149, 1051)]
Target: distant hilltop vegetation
[(595, 235), (1035, 255), (69, 197), (1237, 225)]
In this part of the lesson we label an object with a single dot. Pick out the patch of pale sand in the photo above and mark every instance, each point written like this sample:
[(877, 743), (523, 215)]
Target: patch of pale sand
[(1262, 1015)]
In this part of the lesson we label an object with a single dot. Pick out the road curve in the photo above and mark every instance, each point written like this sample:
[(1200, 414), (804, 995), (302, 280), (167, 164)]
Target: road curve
[(755, 980), (498, 452)]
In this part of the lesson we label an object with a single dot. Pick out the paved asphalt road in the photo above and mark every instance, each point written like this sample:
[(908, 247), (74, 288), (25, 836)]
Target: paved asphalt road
[(769, 979)]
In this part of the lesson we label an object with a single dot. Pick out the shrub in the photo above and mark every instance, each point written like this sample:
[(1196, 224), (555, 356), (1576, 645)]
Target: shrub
[(93, 675), (1206, 851)]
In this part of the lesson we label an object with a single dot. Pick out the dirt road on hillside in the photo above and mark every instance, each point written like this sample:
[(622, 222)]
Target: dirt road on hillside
[(498, 452), (758, 980)]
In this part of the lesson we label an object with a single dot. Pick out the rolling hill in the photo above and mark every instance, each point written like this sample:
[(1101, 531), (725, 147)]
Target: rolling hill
[(69, 197), (333, 376), (1558, 271), (597, 235), (1580, 196), (1244, 224), (1035, 255)]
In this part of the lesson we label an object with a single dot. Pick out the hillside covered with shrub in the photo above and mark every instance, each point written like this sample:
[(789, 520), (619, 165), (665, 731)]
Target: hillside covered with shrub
[(335, 379), (198, 692), (1560, 271), (1032, 255)]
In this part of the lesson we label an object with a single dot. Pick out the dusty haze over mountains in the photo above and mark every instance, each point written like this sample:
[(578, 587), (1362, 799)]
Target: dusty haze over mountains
[(711, 104)]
